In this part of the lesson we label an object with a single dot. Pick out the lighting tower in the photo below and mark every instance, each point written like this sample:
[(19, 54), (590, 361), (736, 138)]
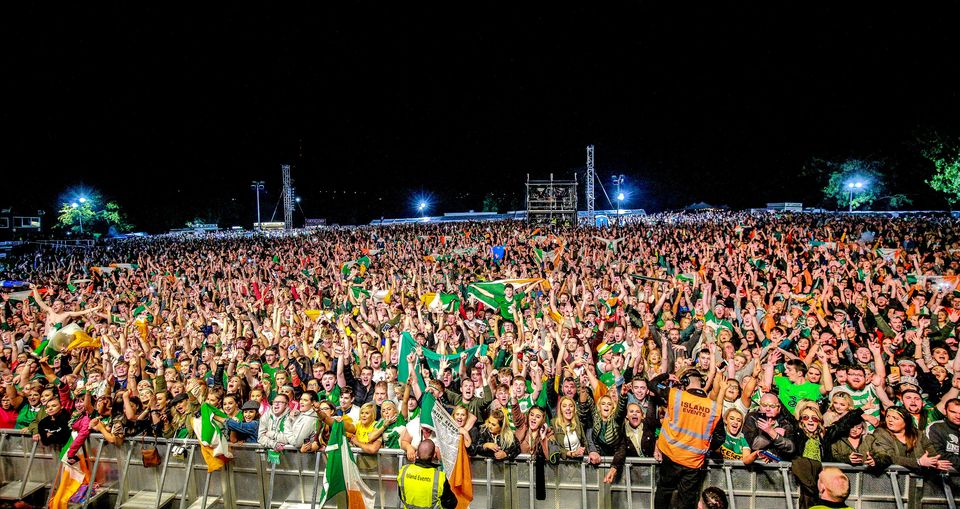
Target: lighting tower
[(257, 185), (591, 177), (287, 198)]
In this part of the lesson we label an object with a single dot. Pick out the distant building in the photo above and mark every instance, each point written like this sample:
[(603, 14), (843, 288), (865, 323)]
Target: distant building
[(785, 207), (16, 223)]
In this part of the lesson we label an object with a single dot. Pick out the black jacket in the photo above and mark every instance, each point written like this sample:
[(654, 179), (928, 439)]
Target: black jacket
[(784, 447), (55, 430)]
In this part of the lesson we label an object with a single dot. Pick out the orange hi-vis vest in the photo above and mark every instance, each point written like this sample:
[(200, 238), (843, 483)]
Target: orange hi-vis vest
[(689, 423)]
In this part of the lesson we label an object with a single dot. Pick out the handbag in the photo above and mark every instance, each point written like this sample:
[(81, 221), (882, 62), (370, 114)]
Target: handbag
[(151, 456)]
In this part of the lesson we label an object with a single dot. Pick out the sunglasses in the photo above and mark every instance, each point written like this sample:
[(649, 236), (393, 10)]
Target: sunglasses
[(813, 418)]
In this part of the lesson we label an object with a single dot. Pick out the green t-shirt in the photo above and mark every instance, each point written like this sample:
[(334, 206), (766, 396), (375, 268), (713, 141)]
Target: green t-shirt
[(733, 446), (391, 437), (333, 396), (791, 393)]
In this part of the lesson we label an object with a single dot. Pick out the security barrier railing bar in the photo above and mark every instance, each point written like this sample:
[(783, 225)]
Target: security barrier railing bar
[(116, 471)]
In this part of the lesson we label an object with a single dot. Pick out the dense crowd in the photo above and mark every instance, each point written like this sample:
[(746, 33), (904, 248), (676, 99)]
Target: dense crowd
[(824, 337)]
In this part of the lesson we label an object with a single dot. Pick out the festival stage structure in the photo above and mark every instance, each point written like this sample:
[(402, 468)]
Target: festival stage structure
[(552, 202)]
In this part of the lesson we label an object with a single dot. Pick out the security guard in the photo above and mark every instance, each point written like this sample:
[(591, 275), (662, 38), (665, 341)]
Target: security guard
[(423, 485), (689, 433)]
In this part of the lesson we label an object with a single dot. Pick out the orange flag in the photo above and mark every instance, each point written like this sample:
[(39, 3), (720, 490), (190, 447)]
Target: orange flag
[(461, 479)]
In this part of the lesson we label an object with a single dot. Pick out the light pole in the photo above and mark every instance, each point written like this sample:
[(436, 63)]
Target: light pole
[(257, 185), (618, 181), (79, 213), (853, 186), (422, 207)]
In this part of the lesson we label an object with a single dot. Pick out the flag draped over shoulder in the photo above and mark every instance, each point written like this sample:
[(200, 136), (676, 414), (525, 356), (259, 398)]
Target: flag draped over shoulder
[(342, 474), (408, 345), (214, 445), (447, 302)]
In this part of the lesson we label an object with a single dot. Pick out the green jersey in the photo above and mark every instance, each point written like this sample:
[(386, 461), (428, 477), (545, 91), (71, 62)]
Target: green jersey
[(791, 393), (733, 446)]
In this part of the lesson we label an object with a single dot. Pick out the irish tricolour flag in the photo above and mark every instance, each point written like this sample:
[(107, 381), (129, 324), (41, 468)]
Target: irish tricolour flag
[(214, 445), (552, 256), (436, 302), (342, 474)]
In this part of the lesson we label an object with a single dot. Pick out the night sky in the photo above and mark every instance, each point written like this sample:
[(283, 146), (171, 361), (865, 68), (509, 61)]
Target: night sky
[(174, 111)]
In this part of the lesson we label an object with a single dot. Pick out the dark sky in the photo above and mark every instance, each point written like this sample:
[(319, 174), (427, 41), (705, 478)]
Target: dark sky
[(173, 111)]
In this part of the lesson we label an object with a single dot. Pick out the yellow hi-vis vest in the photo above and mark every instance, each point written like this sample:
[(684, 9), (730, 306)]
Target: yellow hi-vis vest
[(420, 488), (688, 425)]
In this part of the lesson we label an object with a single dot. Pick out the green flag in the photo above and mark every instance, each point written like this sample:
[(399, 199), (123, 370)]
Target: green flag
[(409, 345), (493, 294)]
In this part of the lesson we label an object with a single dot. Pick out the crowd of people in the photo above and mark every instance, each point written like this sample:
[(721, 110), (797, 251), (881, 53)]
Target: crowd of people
[(822, 337)]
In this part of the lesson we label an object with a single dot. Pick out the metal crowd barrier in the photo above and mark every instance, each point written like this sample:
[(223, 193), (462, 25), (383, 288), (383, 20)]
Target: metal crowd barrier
[(181, 480)]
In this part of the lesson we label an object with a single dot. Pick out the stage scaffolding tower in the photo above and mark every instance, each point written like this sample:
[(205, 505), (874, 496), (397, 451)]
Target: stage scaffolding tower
[(591, 178), (287, 198), (552, 202)]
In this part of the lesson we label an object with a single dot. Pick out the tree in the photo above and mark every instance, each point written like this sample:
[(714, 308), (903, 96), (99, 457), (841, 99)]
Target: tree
[(113, 216), (77, 216), (861, 181), (83, 213), (490, 203), (944, 153)]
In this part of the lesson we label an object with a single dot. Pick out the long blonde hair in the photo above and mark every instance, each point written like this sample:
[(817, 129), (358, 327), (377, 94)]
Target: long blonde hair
[(810, 406), (560, 425), (506, 434)]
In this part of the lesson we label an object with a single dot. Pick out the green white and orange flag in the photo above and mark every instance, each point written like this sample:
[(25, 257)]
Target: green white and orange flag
[(214, 444), (552, 256), (382, 295), (889, 254), (127, 266), (945, 283), (83, 340), (362, 264), (436, 302), (342, 474), (72, 477)]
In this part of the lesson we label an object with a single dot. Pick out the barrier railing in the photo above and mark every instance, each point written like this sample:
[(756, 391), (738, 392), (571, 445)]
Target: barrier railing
[(120, 480)]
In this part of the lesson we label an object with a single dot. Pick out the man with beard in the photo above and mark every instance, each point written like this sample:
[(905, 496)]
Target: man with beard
[(913, 401), (867, 396)]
